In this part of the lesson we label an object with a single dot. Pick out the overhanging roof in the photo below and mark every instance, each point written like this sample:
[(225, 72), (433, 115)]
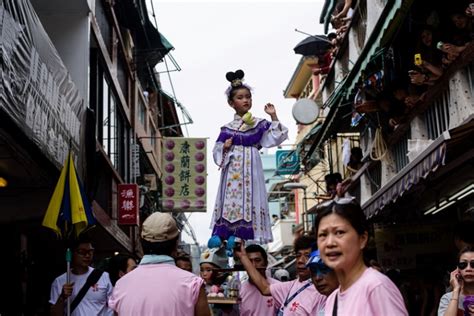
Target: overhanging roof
[(300, 78), (332, 103), (277, 190), (392, 15), (389, 21), (432, 158), (150, 45)]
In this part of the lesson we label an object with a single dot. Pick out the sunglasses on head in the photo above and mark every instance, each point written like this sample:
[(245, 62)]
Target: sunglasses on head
[(340, 201), (463, 264)]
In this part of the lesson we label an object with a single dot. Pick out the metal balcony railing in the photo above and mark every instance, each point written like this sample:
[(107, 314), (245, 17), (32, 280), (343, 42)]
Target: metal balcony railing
[(400, 151), (437, 116)]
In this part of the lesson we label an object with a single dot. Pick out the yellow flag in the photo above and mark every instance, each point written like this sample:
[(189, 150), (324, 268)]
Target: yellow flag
[(52, 213), (78, 213)]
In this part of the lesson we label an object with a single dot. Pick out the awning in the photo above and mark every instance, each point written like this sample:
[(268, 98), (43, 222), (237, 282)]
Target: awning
[(432, 158), (313, 131), (150, 45), (388, 23), (333, 104), (277, 190)]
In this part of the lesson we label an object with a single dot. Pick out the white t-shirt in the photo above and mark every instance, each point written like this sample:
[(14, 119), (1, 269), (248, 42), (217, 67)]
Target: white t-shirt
[(95, 300), (444, 303)]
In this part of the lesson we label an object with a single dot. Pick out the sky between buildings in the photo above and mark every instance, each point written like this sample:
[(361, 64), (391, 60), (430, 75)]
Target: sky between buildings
[(211, 38)]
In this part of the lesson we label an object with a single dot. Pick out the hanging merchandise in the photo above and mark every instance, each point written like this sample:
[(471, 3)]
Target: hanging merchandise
[(374, 81), (362, 104), (379, 147), (346, 151), (356, 118)]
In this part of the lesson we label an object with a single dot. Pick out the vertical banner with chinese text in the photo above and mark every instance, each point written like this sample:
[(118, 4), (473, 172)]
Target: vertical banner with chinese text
[(128, 204), (184, 174)]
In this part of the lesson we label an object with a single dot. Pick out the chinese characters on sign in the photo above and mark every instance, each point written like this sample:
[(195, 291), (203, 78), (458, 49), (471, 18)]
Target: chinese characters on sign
[(184, 174), (128, 204)]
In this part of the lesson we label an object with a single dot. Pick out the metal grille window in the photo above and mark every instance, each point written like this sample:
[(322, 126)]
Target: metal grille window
[(470, 76), (375, 177), (400, 151), (122, 76), (104, 25), (142, 113), (361, 27), (437, 116)]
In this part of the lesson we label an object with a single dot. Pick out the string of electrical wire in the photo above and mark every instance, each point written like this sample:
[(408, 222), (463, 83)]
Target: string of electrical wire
[(187, 226), (185, 116)]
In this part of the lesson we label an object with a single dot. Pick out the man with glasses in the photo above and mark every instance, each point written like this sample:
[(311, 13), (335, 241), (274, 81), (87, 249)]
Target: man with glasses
[(94, 302), (297, 297)]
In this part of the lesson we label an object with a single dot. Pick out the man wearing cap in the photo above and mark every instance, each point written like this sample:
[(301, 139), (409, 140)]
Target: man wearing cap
[(323, 277), (253, 302), (157, 286), (297, 297)]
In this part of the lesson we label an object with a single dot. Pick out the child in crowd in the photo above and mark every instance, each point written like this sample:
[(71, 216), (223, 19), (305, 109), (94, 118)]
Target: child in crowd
[(213, 259)]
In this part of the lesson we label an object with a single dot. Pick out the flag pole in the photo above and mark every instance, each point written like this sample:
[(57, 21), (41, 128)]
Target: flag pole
[(68, 278), (68, 251)]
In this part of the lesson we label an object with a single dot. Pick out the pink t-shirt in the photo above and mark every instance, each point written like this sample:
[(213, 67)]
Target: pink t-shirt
[(372, 294), (308, 302), (254, 303), (156, 289)]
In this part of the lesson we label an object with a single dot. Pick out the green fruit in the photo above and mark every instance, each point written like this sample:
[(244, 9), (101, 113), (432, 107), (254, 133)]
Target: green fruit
[(248, 119)]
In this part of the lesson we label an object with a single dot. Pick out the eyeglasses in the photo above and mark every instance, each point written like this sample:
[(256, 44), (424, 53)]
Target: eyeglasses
[(85, 252), (306, 256), (463, 264)]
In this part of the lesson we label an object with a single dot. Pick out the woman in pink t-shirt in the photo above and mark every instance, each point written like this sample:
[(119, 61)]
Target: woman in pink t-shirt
[(342, 233)]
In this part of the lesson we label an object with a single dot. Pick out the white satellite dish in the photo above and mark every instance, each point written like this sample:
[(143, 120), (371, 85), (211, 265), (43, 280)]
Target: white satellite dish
[(305, 111)]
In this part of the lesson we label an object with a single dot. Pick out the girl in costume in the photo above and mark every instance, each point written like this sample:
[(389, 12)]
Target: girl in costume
[(241, 208)]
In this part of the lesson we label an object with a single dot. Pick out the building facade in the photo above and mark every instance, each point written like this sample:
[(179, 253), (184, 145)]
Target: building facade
[(77, 76), (397, 92)]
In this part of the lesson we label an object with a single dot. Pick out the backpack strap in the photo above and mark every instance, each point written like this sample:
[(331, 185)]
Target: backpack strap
[(91, 280)]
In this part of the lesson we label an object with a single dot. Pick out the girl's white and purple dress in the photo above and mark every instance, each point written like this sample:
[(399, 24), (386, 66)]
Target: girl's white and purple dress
[(241, 207)]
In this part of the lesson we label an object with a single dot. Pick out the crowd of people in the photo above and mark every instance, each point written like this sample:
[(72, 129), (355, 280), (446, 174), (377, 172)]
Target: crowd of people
[(332, 276)]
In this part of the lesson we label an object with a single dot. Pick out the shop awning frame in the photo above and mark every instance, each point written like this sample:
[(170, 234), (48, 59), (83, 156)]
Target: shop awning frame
[(428, 162), (333, 104)]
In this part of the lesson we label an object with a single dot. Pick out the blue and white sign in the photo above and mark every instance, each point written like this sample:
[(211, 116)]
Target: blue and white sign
[(287, 162)]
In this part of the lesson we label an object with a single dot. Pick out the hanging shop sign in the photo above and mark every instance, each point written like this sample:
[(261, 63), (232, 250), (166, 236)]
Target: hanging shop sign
[(287, 162), (36, 90), (184, 174), (128, 204)]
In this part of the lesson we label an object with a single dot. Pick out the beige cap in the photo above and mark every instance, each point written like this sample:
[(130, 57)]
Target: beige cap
[(159, 227)]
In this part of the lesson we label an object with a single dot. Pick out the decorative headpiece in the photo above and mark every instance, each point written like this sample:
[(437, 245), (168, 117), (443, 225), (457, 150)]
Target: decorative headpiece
[(235, 78), (236, 81)]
